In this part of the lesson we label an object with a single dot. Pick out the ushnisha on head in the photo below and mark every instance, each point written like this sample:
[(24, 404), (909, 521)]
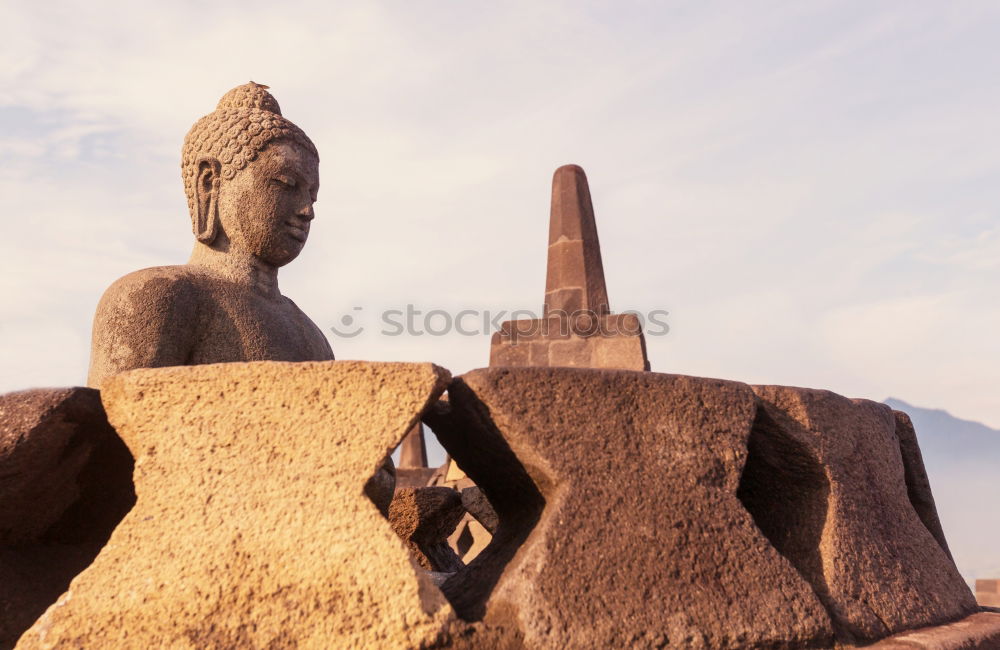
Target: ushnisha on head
[(251, 178)]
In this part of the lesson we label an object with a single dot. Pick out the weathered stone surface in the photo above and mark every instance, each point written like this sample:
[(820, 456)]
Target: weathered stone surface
[(424, 518), (477, 505), (65, 482), (416, 477), (47, 439), (607, 341), (251, 527), (577, 561), (980, 631), (577, 329), (575, 276), (826, 483), (251, 178)]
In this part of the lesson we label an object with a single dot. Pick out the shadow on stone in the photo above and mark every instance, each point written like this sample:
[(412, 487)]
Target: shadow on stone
[(66, 485), (785, 490), (481, 451), (838, 488)]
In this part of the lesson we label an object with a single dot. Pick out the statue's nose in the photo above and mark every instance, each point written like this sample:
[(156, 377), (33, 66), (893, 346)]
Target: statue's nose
[(306, 212)]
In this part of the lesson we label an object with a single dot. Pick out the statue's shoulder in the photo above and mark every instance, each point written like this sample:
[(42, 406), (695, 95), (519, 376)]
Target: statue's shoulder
[(146, 319), (178, 286)]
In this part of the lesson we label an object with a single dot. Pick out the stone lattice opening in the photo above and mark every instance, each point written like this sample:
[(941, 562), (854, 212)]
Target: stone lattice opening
[(432, 505), (786, 491), (469, 435), (461, 528)]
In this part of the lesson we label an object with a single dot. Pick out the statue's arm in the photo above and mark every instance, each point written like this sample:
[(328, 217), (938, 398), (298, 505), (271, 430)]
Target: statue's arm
[(146, 319)]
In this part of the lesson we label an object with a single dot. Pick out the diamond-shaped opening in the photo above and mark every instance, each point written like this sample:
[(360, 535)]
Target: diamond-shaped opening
[(504, 500), (463, 528), (432, 505), (786, 491)]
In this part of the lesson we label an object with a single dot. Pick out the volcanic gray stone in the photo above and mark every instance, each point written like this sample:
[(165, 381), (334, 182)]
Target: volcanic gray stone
[(578, 561), (251, 178), (65, 483), (827, 483), (424, 518), (477, 505)]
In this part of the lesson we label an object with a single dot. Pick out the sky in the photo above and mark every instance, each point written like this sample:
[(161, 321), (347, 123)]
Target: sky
[(809, 189)]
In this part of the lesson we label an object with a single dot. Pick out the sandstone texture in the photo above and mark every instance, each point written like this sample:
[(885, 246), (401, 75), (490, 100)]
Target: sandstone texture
[(424, 518), (827, 483), (251, 527), (470, 538), (582, 559), (65, 482)]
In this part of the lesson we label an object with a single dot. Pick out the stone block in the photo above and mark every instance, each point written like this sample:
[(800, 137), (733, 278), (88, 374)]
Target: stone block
[(48, 438), (251, 528), (584, 340), (65, 483), (415, 477), (566, 270), (503, 353), (988, 593), (988, 586), (476, 504), (826, 482), (571, 353), (424, 518), (580, 561), (620, 352), (988, 599)]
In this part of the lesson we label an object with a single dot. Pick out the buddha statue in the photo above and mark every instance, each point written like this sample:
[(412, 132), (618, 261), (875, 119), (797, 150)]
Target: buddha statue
[(251, 178)]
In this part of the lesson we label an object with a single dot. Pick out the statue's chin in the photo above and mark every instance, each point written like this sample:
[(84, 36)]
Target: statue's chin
[(282, 257)]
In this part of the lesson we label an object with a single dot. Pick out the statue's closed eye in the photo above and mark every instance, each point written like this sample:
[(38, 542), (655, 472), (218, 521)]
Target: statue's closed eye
[(285, 180)]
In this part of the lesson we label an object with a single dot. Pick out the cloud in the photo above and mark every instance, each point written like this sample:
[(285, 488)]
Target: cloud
[(808, 189)]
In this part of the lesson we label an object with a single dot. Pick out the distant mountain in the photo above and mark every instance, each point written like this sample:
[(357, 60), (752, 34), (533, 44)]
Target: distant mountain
[(944, 437), (963, 463)]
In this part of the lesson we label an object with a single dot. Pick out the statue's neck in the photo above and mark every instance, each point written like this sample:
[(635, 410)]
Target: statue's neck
[(237, 267)]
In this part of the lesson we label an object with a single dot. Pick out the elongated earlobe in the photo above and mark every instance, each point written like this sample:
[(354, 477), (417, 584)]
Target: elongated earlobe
[(206, 190)]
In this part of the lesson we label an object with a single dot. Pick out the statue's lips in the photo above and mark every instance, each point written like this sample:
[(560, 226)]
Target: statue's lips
[(296, 232)]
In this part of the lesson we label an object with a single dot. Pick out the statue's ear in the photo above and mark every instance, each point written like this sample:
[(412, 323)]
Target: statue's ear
[(206, 192)]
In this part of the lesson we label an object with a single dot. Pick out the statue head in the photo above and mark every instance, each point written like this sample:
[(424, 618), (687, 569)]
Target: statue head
[(251, 177)]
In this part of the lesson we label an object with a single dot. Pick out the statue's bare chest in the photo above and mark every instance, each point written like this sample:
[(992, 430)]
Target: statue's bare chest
[(241, 326)]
